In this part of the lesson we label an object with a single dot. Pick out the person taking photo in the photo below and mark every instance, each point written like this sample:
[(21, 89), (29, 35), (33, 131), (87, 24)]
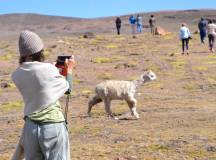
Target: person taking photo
[(45, 134)]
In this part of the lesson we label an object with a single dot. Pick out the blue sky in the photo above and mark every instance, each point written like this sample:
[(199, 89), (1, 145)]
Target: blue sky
[(98, 8)]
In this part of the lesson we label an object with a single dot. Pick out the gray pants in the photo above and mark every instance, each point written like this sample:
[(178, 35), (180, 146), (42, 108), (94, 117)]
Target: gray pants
[(46, 142)]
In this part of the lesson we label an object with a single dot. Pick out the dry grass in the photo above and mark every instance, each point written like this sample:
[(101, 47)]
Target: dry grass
[(177, 110)]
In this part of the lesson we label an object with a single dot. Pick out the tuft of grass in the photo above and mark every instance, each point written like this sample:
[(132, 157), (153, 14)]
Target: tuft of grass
[(178, 65), (154, 67), (4, 45), (200, 68), (47, 52), (122, 107), (11, 85), (133, 78), (131, 64), (157, 147), (8, 56), (143, 46), (100, 60), (77, 81), (95, 41), (197, 153), (111, 46), (99, 37), (156, 85), (211, 56), (105, 76), (211, 62), (190, 87), (12, 105), (120, 38), (169, 36), (80, 130), (172, 54), (86, 92), (211, 80), (118, 58)]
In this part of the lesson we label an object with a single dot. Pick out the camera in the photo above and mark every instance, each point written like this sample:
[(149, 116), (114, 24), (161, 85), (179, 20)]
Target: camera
[(60, 64), (61, 59)]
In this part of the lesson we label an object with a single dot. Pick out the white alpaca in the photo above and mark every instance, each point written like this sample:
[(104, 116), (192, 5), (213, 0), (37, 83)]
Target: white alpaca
[(106, 91), (119, 90)]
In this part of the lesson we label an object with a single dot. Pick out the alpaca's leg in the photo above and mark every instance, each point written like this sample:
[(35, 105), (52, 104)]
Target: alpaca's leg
[(107, 104), (132, 105), (93, 102)]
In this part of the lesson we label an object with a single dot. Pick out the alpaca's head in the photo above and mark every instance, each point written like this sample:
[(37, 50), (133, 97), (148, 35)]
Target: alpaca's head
[(148, 76)]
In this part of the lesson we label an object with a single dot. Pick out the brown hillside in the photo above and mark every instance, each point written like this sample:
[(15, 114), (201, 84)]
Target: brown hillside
[(11, 24), (177, 111)]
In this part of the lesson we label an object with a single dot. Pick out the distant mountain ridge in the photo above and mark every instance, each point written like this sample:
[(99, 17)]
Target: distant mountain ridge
[(13, 23)]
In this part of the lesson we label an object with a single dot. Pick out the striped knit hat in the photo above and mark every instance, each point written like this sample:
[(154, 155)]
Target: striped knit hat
[(29, 43)]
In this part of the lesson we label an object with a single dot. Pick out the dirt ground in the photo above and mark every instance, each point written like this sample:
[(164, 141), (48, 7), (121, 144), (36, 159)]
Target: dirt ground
[(178, 112)]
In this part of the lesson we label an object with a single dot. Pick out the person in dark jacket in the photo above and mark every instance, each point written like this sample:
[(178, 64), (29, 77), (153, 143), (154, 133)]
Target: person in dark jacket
[(152, 24), (118, 25), (202, 25), (132, 21)]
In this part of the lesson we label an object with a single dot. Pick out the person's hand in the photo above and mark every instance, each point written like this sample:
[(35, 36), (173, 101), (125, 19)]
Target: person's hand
[(70, 64)]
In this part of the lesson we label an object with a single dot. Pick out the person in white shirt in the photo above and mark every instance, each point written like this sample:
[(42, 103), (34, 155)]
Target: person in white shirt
[(185, 36), (139, 24), (211, 30), (45, 135)]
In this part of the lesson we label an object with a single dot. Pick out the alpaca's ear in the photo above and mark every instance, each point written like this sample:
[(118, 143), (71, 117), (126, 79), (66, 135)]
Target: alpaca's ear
[(151, 75)]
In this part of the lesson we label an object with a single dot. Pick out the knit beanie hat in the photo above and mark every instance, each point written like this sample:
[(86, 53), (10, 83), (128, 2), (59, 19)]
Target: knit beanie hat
[(29, 43)]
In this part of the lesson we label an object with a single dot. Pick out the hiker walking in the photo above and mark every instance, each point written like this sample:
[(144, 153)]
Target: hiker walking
[(45, 135), (118, 25), (139, 24), (152, 24), (185, 36), (132, 21), (202, 25), (211, 29)]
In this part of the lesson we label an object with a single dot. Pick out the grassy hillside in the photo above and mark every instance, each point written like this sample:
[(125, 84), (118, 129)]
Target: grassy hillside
[(177, 110)]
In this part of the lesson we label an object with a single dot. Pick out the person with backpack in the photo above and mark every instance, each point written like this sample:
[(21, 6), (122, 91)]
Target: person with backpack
[(202, 25), (211, 30), (152, 24), (118, 25), (139, 24), (185, 37), (45, 134), (132, 21)]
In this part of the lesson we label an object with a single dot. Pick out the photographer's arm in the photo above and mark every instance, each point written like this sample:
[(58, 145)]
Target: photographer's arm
[(69, 78), (70, 64)]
